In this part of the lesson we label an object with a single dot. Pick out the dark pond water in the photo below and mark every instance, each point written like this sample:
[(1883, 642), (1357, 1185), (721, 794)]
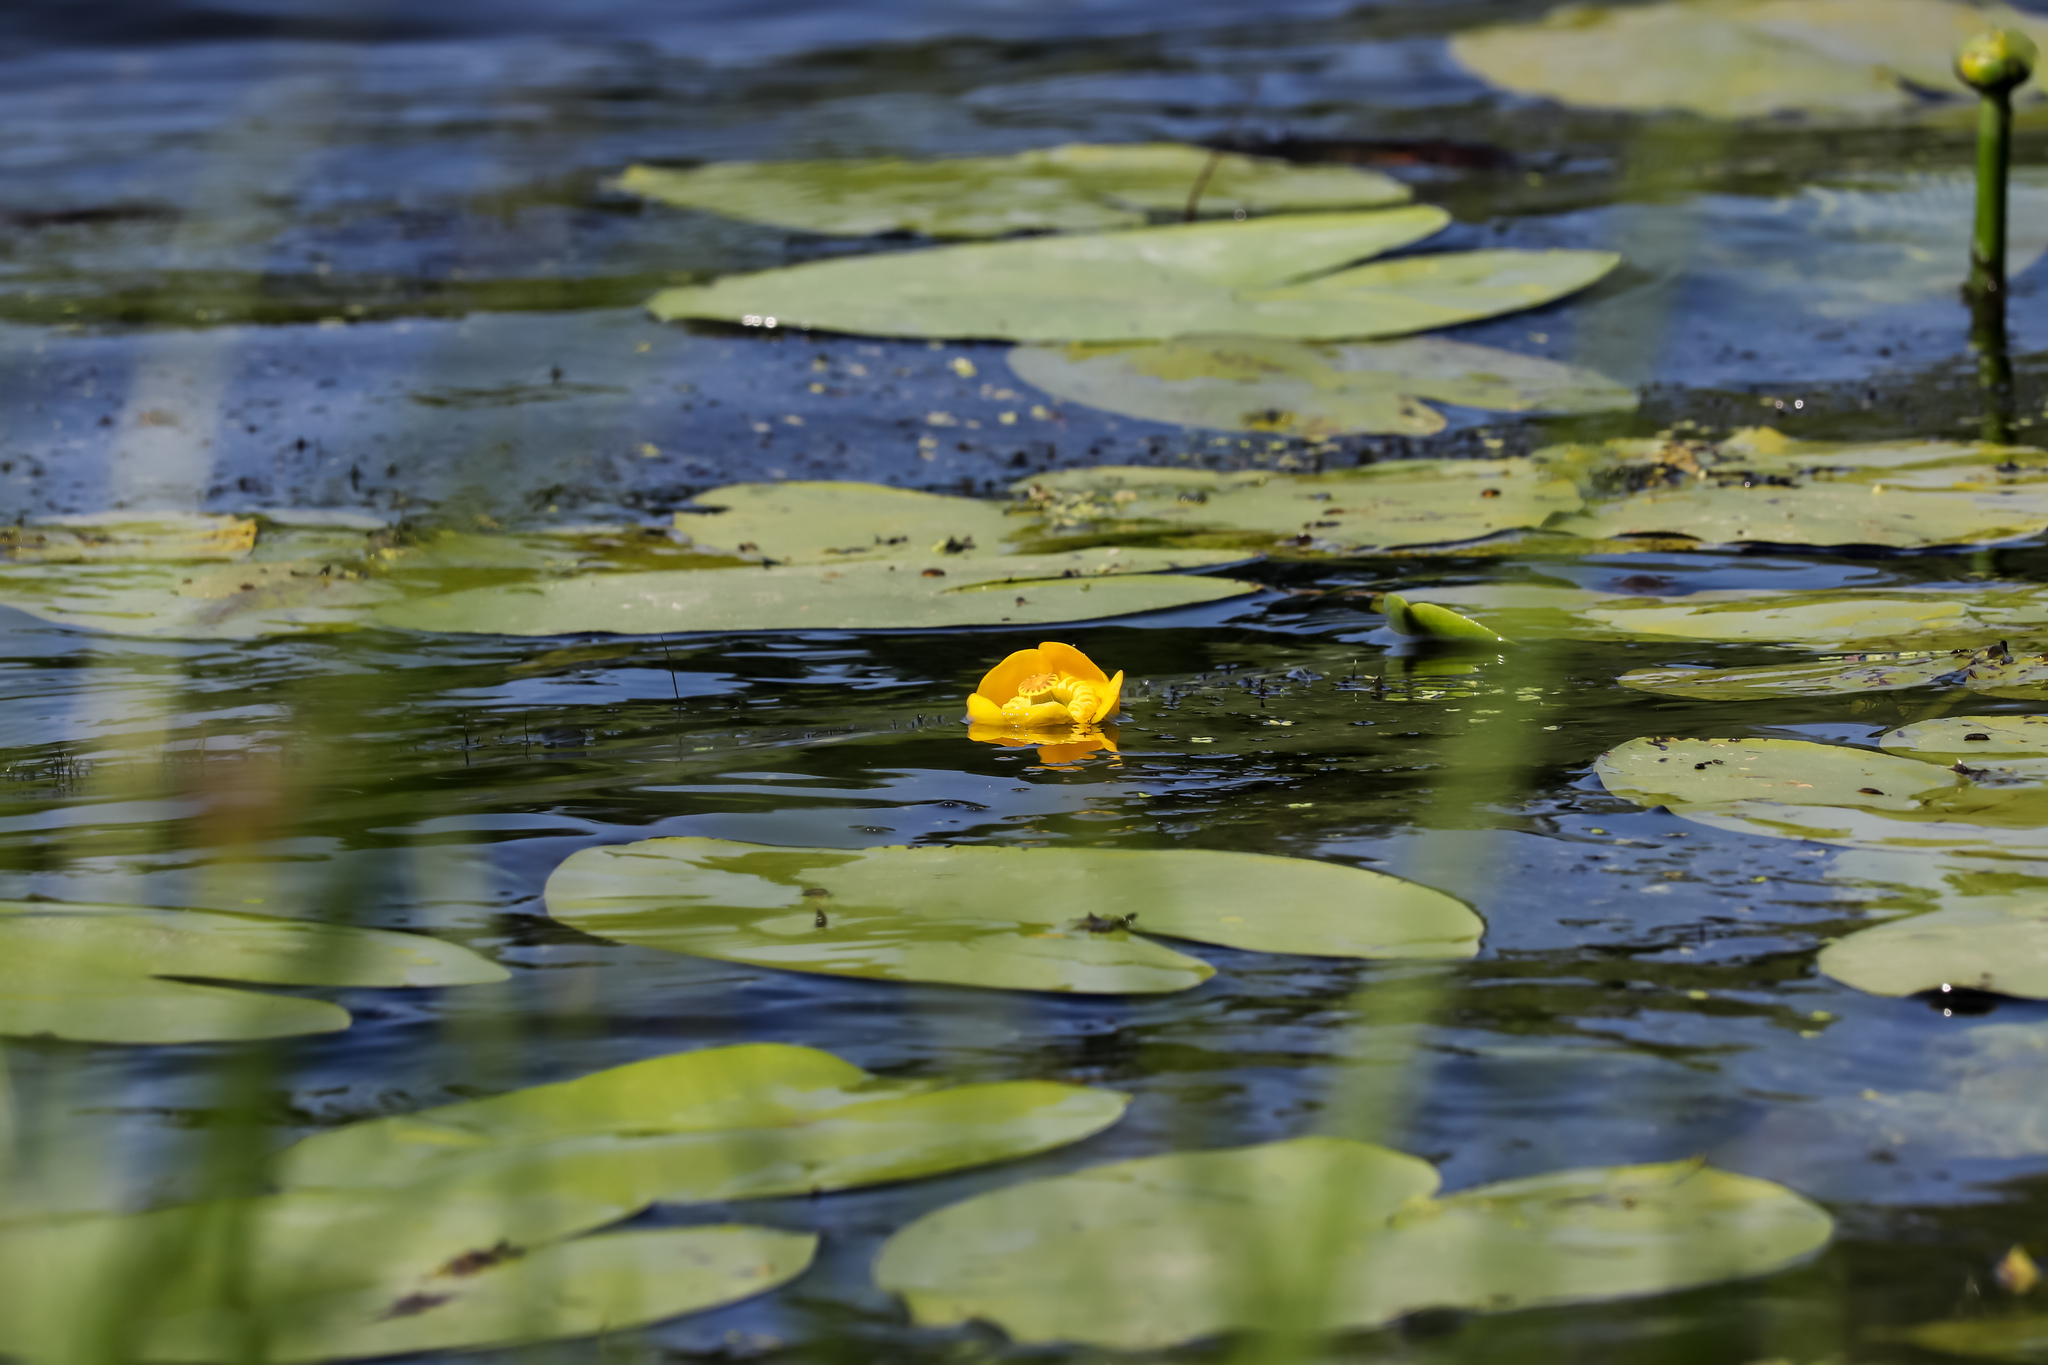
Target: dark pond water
[(259, 255)]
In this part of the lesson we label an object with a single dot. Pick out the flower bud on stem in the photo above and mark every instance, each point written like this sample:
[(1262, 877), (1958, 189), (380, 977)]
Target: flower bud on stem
[(1992, 64)]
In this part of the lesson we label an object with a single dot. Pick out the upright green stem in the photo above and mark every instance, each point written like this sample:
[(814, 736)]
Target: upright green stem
[(1992, 63), (1994, 158)]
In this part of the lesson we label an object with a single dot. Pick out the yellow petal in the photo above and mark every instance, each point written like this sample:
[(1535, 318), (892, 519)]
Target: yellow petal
[(1046, 713), (1110, 695), (983, 711), (1061, 658), (999, 684)]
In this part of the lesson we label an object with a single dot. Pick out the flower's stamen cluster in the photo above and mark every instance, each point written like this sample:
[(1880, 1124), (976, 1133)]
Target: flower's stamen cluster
[(1041, 691)]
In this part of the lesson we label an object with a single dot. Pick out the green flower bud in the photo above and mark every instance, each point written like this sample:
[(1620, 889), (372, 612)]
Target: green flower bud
[(1997, 59)]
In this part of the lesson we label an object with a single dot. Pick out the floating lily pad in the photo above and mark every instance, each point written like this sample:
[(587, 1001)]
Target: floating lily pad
[(1080, 187), (1049, 919), (1294, 389), (742, 1122), (2002, 1336), (1970, 739), (1838, 618), (923, 593), (838, 523), (1682, 773), (1399, 503), (310, 1277), (1820, 678), (1321, 1234), (1738, 58), (1151, 283), (192, 601), (1949, 504), (98, 973), (2001, 951)]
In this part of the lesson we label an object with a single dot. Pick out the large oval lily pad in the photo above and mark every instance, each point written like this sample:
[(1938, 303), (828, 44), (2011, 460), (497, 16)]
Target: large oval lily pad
[(1151, 283), (1738, 58), (1079, 187), (312, 1276), (926, 592), (1049, 919), (741, 1122), (820, 522), (1819, 678), (1680, 773), (2002, 951), (1322, 1234), (99, 973), (1970, 739), (1295, 389)]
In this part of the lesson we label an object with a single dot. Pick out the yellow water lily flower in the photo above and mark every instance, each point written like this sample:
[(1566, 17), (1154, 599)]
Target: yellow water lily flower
[(1053, 685)]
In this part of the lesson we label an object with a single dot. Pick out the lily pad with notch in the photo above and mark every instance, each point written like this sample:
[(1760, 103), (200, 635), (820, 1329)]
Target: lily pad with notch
[(1738, 58), (927, 592), (750, 1121), (1010, 918), (1290, 276), (1078, 187), (109, 974), (314, 1276), (1325, 1234), (1292, 388)]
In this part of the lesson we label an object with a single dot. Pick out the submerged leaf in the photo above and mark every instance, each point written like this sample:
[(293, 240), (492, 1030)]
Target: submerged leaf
[(1737, 58), (1294, 389), (1079, 187), (926, 592), (97, 973), (1151, 283), (1049, 919), (1147, 1254), (133, 537), (743, 1122)]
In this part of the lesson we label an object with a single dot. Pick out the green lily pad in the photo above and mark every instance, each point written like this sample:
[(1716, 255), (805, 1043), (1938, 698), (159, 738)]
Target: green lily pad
[(1831, 618), (1970, 739), (311, 1277), (743, 1122), (1294, 389), (1948, 504), (2003, 951), (1683, 773), (1427, 621), (199, 601), (806, 522), (1012, 918), (1151, 283), (1399, 503), (2004, 1336), (1079, 187), (927, 592), (1738, 58), (1323, 1234), (98, 973), (2000, 673), (1819, 678)]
